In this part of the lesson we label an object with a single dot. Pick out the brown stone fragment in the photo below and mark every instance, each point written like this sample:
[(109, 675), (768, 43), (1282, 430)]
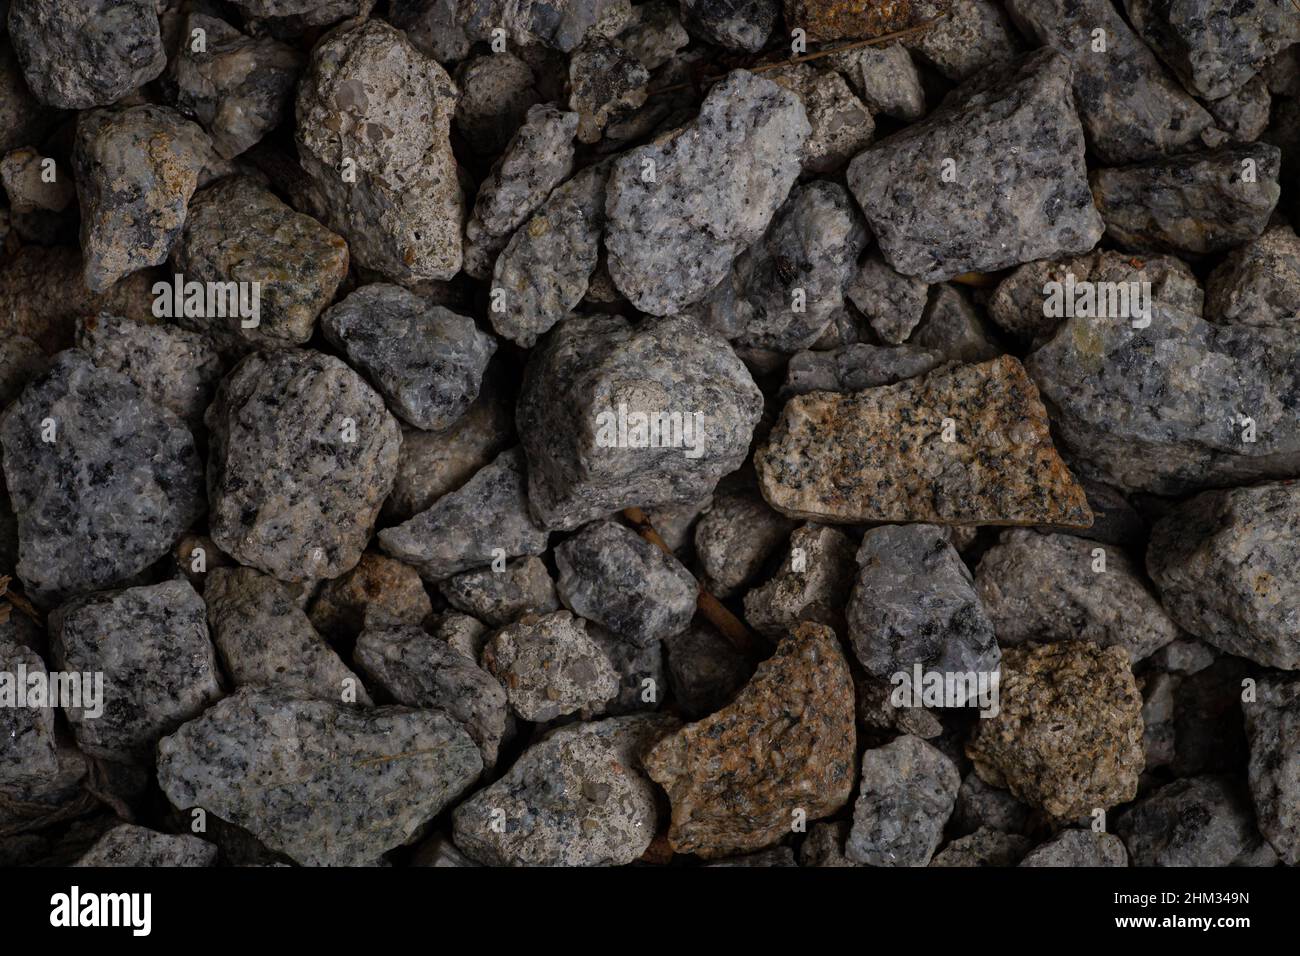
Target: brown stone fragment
[(881, 454), (378, 591), (786, 743), (850, 19)]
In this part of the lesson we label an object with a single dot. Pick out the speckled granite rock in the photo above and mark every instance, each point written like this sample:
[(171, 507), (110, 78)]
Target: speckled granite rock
[(81, 53), (546, 267), (737, 778), (841, 123), (893, 303), (812, 584), (1113, 88), (1258, 283), (110, 494), (984, 848), (1082, 848), (502, 597), (557, 24), (681, 208), (642, 684), (855, 367), (1273, 728), (1047, 587), (346, 787), (735, 24), (131, 845), (1068, 737), (462, 633), (1244, 113), (704, 670), (980, 805), (485, 519), (266, 640), (238, 88), (378, 590), (30, 755), (1226, 567), (914, 603), (735, 538), (419, 670), (426, 360), (605, 80), (971, 37), (302, 455), (995, 213), (1213, 46), (654, 33), (294, 15), (861, 457), (1195, 205), (136, 169), (550, 666), (611, 575), (175, 368), (1160, 409), (1195, 821), (785, 289), (592, 369), (578, 797), (159, 669), (885, 79), (402, 214), (907, 793)]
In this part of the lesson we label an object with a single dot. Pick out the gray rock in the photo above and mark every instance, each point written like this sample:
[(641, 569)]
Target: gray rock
[(432, 27), (1194, 205), (885, 79), (741, 25), (980, 805), (594, 371), (502, 597), (654, 33), (485, 519), (31, 753), (1226, 567), (23, 118), (347, 786), (1161, 409), (402, 211), (1213, 46), (1113, 89), (296, 15), (296, 263), (954, 327), (878, 716), (1258, 283), (1273, 728), (550, 666), (640, 671), (557, 24), (537, 159), (893, 303), (82, 53), (302, 456), (175, 368), (266, 640), (425, 360), (984, 847), (110, 494), (1078, 848), (841, 123), (578, 797), (159, 670), (824, 845), (971, 37), (136, 169), (1183, 656), (605, 80), (1048, 587), (914, 603), (496, 92), (611, 575), (1159, 708), (907, 793), (704, 670), (464, 634), (239, 88), (735, 538), (419, 670), (1006, 205), (855, 367), (1244, 113), (813, 583), (131, 845), (682, 208), (1196, 821)]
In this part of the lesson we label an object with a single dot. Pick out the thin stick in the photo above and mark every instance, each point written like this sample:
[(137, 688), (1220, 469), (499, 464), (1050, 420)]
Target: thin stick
[(17, 600), (980, 280), (727, 623)]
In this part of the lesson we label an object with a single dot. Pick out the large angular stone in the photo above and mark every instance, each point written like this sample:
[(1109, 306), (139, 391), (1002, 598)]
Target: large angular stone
[(907, 793), (1005, 204), (880, 454), (1273, 728)]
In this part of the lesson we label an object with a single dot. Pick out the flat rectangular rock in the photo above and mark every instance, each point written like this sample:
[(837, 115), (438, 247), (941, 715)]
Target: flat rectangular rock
[(882, 454)]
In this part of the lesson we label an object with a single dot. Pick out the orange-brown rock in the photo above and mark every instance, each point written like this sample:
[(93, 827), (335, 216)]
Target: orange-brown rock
[(850, 19)]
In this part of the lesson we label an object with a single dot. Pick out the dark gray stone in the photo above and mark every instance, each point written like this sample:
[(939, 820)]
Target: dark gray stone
[(984, 847), (893, 303), (704, 670), (1079, 848), (735, 24), (1273, 728), (605, 80), (131, 845), (502, 597), (1258, 283), (1196, 821), (907, 793)]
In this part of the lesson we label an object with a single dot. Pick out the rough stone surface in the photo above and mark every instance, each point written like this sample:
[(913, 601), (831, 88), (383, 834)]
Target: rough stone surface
[(151, 644), (1273, 728), (81, 53), (1195, 821), (1226, 567), (25, 183), (741, 25), (550, 666), (640, 670), (464, 634), (981, 806), (558, 25), (605, 80), (856, 367), (716, 185), (1068, 736), (907, 793), (294, 15), (23, 118), (1258, 283), (983, 848), (849, 19), (484, 519), (704, 670), (1047, 587), (812, 584), (878, 455), (347, 786), (496, 92), (893, 303), (785, 743), (971, 37), (885, 79), (371, 97), (30, 754), (1079, 848), (131, 845), (734, 540), (611, 575), (841, 123), (378, 590), (1244, 113), (578, 797), (502, 597), (1007, 204), (110, 494), (591, 366), (654, 33), (289, 494)]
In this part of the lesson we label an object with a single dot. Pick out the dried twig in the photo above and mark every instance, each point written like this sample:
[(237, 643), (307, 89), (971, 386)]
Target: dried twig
[(980, 280), (16, 599)]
